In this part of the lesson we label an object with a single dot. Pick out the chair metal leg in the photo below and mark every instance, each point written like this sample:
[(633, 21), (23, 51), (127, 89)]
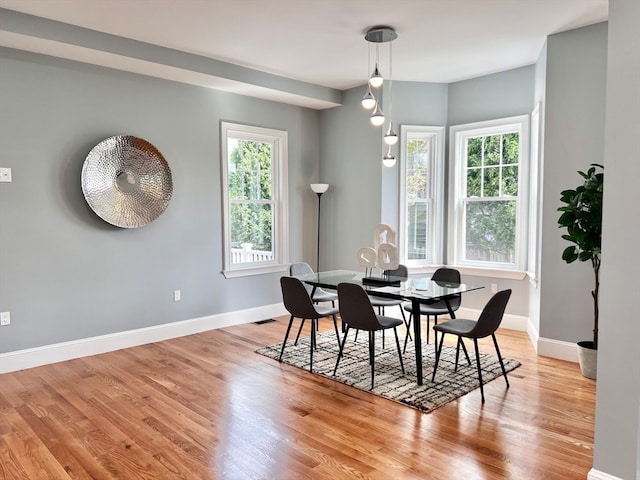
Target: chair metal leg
[(372, 356), (395, 333), (504, 372), (299, 331), (313, 342), (438, 351), (344, 340), (464, 349), (408, 335), (428, 318), (404, 319), (335, 327), (455, 369), (475, 344), (286, 336)]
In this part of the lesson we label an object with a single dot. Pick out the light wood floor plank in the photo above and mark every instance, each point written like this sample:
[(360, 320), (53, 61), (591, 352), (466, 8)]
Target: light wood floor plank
[(206, 406)]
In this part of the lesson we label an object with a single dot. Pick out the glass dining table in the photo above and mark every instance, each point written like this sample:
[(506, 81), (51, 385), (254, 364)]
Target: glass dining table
[(416, 290)]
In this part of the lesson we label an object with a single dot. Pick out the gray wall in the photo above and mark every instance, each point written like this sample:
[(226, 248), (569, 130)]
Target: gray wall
[(414, 103), (574, 138), (365, 193), (500, 95), (64, 273), (351, 163), (617, 438)]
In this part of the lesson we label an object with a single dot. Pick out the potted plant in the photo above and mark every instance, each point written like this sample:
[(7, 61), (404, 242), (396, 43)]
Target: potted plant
[(582, 217)]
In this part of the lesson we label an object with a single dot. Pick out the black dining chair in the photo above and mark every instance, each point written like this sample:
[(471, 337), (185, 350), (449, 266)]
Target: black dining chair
[(487, 324), (447, 275), (298, 303), (357, 312), (319, 295)]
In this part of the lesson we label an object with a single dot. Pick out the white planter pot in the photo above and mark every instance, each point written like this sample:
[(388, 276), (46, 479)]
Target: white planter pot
[(588, 358)]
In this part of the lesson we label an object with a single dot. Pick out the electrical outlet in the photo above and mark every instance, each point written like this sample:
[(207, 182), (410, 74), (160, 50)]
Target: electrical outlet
[(494, 288), (177, 295), (5, 318), (5, 174)]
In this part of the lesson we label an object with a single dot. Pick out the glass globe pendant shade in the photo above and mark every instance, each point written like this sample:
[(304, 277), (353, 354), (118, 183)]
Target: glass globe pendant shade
[(391, 137), (389, 160), (368, 101), (375, 80), (377, 117)]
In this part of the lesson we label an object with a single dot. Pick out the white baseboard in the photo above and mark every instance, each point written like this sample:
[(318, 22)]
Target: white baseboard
[(59, 352), (34, 357), (597, 475), (545, 347), (511, 322), (558, 349)]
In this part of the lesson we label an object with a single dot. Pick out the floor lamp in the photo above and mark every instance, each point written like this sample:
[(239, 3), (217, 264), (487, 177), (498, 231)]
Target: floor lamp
[(319, 189)]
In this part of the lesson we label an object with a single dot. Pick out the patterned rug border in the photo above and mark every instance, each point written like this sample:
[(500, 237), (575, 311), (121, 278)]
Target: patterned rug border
[(354, 369)]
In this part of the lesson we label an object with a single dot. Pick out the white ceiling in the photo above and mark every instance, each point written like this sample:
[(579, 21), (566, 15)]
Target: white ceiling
[(322, 41)]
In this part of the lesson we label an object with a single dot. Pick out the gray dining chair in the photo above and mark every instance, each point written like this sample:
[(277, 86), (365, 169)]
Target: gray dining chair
[(298, 303), (320, 295), (447, 275), (381, 302), (357, 312), (486, 325)]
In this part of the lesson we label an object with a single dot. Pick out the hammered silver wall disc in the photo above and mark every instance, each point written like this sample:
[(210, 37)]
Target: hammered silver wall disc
[(126, 181)]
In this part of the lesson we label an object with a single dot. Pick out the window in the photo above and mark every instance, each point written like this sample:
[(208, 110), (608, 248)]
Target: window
[(489, 193), (421, 195), (254, 181)]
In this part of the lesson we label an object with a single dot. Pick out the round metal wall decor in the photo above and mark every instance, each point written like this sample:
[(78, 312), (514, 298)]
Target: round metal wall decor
[(126, 181)]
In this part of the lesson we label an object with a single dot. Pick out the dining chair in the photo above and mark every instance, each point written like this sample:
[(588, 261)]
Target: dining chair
[(447, 275), (298, 303), (320, 295), (381, 302), (487, 324), (357, 312)]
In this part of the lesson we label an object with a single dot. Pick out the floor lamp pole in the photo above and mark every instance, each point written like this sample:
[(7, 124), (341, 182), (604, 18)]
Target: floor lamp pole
[(318, 244), (319, 189)]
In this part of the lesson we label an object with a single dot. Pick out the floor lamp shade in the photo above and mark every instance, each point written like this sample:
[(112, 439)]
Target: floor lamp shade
[(319, 189)]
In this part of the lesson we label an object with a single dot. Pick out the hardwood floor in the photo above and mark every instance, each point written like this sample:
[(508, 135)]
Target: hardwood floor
[(207, 407)]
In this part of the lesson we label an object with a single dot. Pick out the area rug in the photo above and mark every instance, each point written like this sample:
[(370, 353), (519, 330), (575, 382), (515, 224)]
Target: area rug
[(390, 383)]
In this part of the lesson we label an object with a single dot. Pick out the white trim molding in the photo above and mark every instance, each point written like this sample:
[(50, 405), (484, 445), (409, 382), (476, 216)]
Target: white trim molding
[(59, 352), (548, 347), (597, 475), (510, 322)]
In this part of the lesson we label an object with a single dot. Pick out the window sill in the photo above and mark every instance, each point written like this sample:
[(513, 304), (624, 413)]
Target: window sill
[(471, 271), (250, 271)]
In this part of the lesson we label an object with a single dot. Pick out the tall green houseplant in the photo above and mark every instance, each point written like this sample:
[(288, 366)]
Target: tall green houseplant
[(582, 217)]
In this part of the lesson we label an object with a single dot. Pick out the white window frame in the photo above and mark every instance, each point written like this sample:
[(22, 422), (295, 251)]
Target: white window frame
[(280, 239), (434, 135), (458, 136)]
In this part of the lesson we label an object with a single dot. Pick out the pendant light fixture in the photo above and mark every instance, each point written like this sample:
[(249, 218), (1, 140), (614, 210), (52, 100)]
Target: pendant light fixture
[(372, 97), (377, 117), (391, 137), (389, 160), (368, 101)]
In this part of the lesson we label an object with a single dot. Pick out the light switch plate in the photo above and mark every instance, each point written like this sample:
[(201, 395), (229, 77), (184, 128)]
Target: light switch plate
[(5, 175), (5, 318)]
